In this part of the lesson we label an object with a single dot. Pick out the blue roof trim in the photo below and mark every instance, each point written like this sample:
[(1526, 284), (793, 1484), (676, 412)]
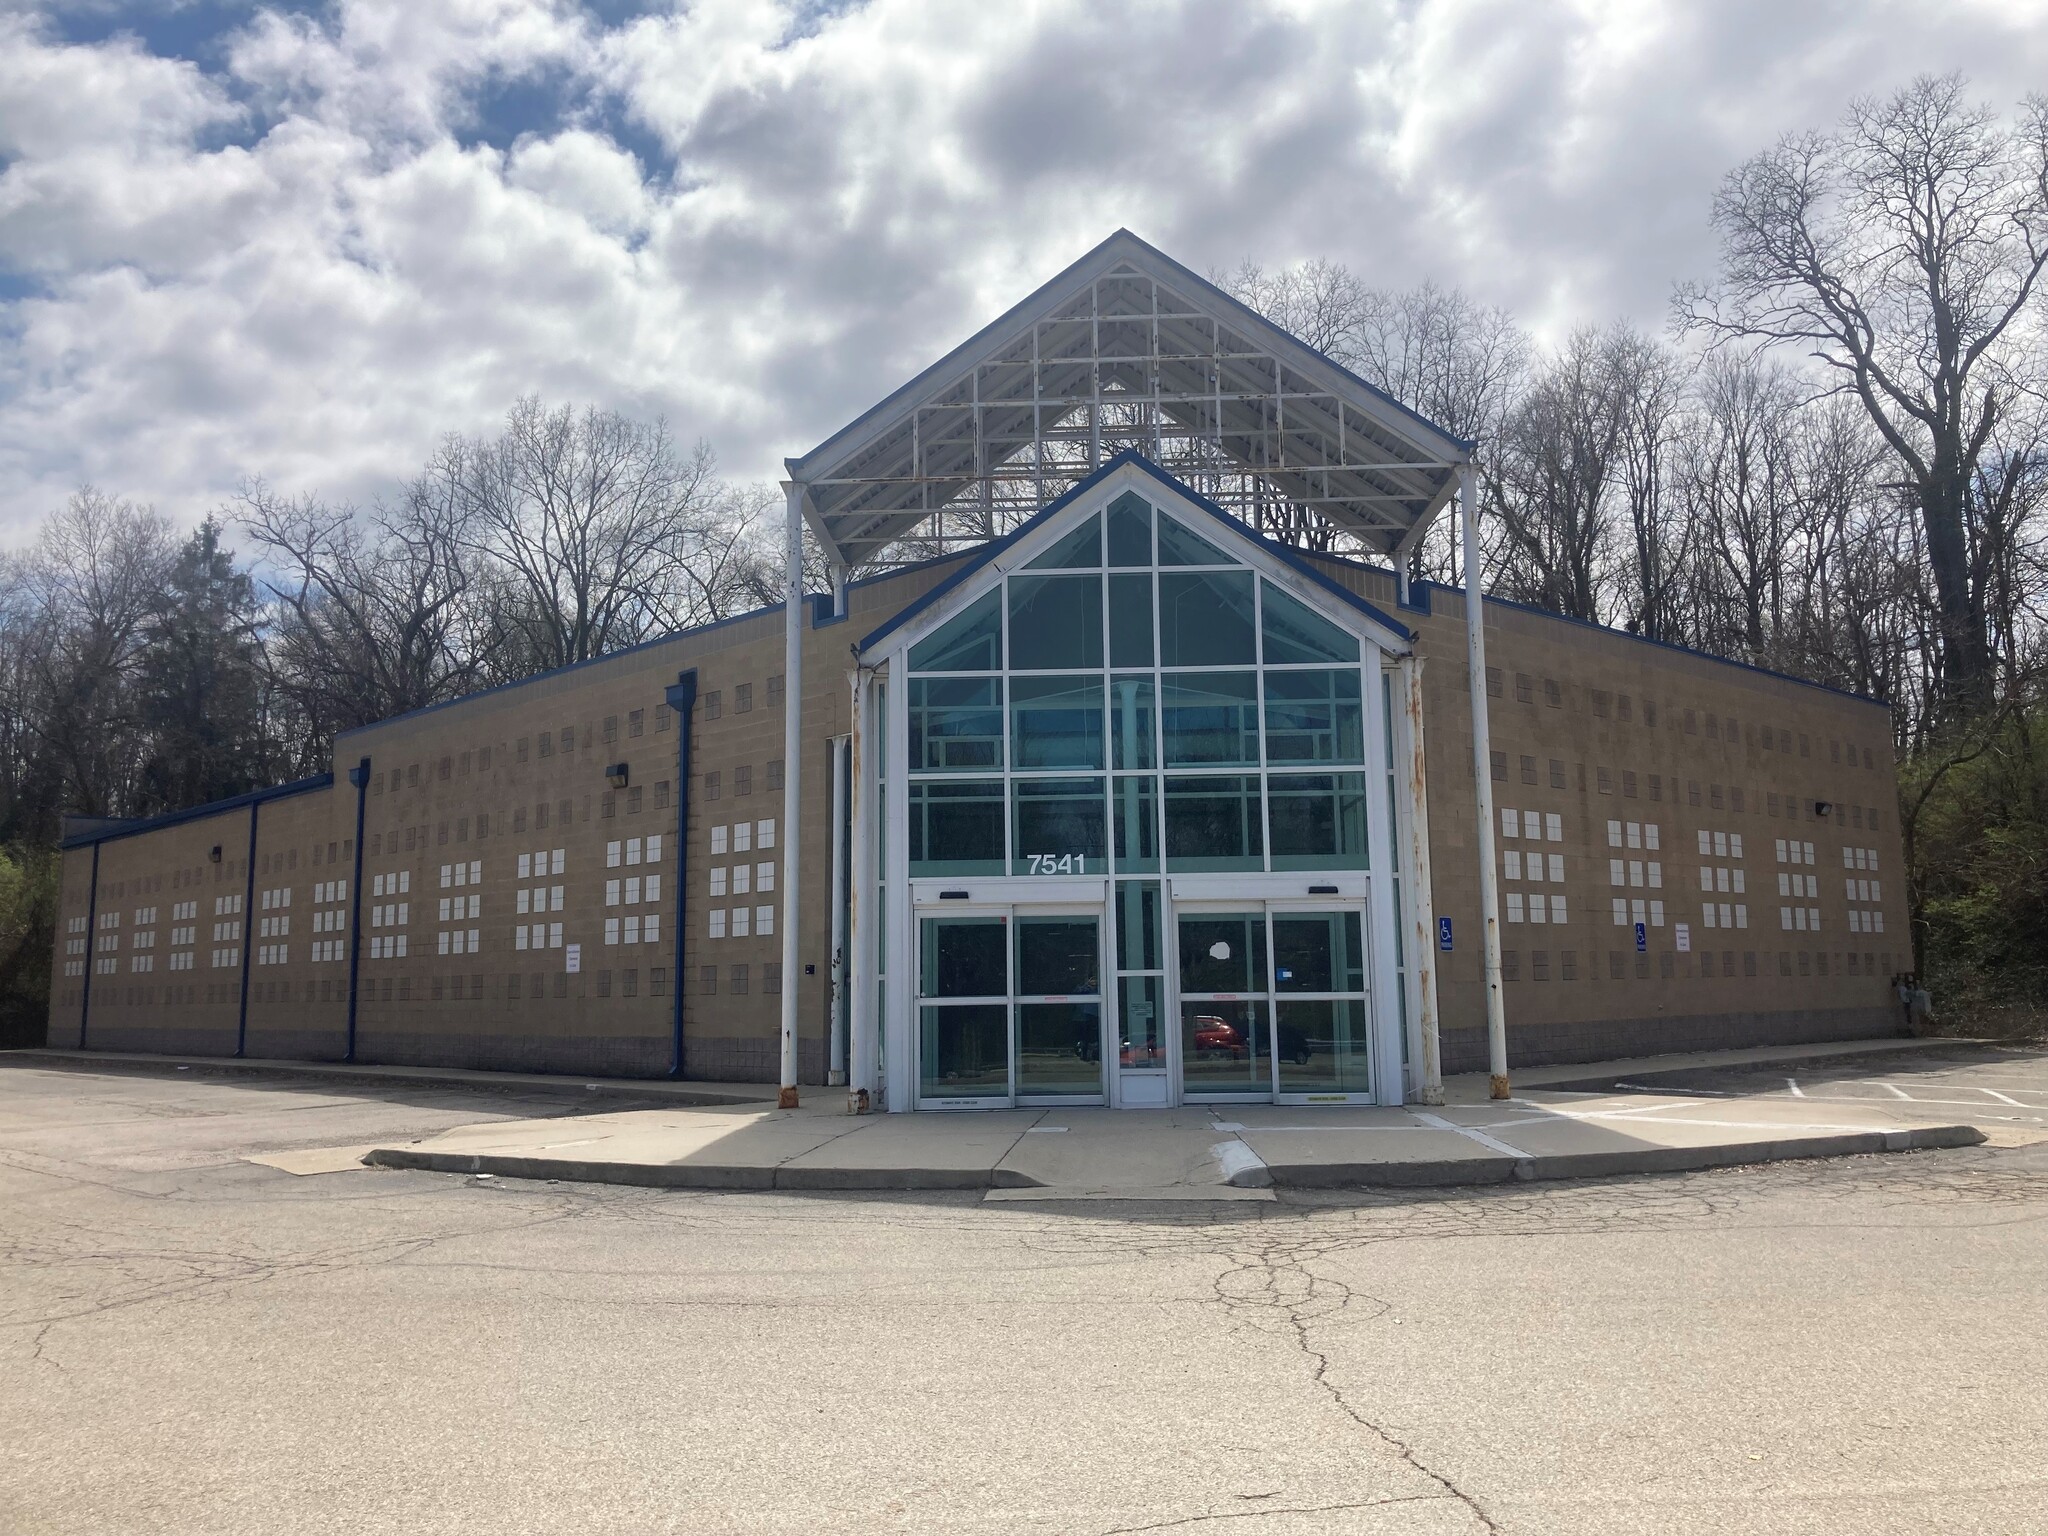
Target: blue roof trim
[(1132, 458), (1422, 604), (197, 812)]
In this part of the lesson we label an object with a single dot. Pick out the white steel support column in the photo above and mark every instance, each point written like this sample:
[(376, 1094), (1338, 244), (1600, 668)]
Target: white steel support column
[(835, 1073), (792, 779), (1482, 776), (1424, 1049), (862, 1055)]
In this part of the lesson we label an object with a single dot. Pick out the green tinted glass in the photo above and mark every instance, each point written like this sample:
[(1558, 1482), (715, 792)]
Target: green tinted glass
[(1077, 551), (956, 827), (1056, 722), (1314, 717), (970, 642), (1209, 717), (1206, 619), (956, 723), (1214, 824), (1319, 820), (1055, 623), (1130, 530), (1295, 633), (1130, 619), (1178, 546)]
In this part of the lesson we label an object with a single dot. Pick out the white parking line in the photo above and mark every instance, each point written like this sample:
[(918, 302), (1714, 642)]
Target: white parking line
[(1897, 1093), (1792, 1083), (1491, 1143), (2005, 1098)]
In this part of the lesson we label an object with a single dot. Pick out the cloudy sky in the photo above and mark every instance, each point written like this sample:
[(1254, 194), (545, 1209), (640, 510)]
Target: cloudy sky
[(301, 242)]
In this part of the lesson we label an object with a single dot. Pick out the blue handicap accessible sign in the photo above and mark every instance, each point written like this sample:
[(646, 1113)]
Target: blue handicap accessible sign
[(1443, 933), (1642, 938)]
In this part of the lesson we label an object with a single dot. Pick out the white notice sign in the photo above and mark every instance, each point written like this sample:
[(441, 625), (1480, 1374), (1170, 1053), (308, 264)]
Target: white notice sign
[(1684, 939), (575, 954)]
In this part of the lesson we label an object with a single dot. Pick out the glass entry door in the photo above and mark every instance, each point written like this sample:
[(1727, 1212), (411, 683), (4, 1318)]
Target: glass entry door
[(1010, 1007), (1273, 1004)]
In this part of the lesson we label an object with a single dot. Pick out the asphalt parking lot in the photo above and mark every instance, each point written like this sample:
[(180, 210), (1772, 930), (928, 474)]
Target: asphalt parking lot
[(194, 1342), (1989, 1086)]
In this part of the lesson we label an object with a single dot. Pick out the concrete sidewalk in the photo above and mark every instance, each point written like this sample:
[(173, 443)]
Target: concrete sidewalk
[(1223, 1152)]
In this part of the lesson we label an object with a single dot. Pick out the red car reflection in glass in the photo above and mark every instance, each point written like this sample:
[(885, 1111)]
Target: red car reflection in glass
[(1218, 1037)]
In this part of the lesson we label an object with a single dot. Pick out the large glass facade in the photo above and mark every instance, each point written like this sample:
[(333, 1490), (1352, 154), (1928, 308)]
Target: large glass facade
[(1135, 702)]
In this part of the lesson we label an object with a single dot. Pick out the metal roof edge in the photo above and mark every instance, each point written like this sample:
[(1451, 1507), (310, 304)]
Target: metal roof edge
[(1622, 634), (155, 823)]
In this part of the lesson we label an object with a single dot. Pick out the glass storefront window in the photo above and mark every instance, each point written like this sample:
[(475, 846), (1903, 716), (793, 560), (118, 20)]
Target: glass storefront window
[(956, 723), (1055, 623), (970, 642), (1206, 619), (1137, 925), (1314, 717), (956, 827), (963, 957), (1130, 723), (1318, 820), (1294, 633), (1056, 722), (1059, 827), (1134, 823), (1210, 717), (1058, 957), (1214, 823)]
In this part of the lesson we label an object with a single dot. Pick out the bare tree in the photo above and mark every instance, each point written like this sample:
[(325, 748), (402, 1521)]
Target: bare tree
[(1901, 252), (586, 516)]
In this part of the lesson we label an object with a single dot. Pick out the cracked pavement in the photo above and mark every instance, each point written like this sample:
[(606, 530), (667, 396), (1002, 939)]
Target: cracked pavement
[(193, 1343)]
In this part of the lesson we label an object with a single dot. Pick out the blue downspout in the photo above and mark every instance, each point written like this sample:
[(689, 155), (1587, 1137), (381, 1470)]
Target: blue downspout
[(248, 931), (360, 777), (682, 698), (92, 942)]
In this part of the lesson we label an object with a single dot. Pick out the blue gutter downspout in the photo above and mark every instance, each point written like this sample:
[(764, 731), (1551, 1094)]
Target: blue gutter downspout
[(682, 698), (360, 777), (92, 943), (248, 931)]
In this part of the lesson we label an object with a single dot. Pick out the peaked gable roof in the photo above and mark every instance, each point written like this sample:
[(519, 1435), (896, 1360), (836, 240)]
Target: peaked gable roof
[(941, 602), (1126, 346)]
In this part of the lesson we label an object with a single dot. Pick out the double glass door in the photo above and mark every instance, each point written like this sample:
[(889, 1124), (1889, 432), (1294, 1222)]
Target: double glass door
[(1010, 1007), (1273, 1003)]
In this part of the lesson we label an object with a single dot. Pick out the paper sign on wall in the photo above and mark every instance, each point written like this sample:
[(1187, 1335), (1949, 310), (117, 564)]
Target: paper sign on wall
[(1684, 938), (575, 958)]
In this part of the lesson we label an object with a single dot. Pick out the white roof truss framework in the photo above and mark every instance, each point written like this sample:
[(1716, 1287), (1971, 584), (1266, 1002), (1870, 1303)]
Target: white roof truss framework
[(1127, 349)]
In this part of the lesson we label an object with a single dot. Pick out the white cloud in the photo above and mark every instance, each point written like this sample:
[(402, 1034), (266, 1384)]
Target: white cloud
[(339, 237)]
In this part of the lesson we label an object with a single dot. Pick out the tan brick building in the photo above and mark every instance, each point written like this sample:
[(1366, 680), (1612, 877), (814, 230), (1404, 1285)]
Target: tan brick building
[(1112, 809)]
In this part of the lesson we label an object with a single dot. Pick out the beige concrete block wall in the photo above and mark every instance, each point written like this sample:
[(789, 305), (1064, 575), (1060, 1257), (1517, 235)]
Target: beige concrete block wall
[(1613, 729), (523, 770), (479, 782)]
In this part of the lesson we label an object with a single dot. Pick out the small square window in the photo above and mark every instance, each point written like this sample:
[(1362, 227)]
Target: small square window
[(743, 780), (742, 698), (636, 723), (713, 704)]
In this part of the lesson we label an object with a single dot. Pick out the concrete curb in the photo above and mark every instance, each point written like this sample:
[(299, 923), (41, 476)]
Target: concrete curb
[(1606, 1165), (1421, 1174), (707, 1176), (688, 1095)]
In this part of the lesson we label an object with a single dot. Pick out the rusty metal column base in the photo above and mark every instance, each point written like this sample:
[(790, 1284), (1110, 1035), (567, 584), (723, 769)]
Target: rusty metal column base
[(1498, 1086), (788, 1099)]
